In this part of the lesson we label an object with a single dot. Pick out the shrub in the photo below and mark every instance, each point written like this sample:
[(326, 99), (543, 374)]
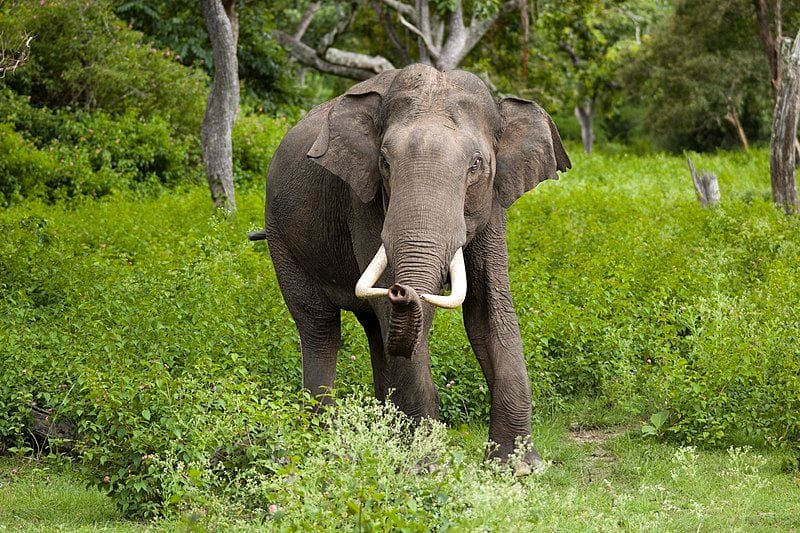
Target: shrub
[(54, 173), (255, 138), (58, 155), (83, 57)]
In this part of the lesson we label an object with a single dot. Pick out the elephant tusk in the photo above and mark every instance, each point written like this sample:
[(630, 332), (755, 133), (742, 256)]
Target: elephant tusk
[(365, 287), (458, 284)]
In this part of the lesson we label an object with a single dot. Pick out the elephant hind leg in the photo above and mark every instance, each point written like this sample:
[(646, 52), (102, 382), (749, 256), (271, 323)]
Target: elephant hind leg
[(318, 321), (380, 379)]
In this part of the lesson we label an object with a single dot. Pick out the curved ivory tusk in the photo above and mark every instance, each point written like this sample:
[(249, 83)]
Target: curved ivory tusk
[(458, 285), (364, 287)]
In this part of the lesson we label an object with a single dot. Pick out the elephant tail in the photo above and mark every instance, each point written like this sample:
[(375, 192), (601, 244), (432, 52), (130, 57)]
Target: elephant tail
[(258, 235)]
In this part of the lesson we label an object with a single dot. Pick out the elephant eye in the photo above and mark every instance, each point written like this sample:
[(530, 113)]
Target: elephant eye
[(476, 164)]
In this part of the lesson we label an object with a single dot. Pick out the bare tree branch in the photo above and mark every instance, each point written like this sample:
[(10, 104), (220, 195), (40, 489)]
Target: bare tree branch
[(432, 50), (570, 52), (400, 7), (12, 61), (437, 33), (398, 45), (309, 57), (305, 22), (442, 45), (479, 28), (329, 38), (377, 64), (461, 39)]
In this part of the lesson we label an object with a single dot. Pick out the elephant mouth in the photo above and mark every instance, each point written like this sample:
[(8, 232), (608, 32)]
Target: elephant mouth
[(365, 288)]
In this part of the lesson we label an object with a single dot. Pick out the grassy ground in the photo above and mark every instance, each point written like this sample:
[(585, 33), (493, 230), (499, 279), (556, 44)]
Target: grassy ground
[(603, 479)]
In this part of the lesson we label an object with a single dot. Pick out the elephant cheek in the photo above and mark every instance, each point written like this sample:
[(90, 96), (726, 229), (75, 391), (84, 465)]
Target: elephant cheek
[(405, 330)]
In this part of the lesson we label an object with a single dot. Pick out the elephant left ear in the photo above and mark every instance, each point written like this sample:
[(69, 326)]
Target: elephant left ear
[(529, 150), (349, 143)]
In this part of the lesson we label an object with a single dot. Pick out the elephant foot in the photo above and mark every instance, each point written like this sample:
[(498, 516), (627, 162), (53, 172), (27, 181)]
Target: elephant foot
[(522, 459), (531, 463)]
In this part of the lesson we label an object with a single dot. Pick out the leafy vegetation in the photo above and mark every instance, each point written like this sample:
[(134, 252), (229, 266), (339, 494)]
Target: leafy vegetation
[(362, 473), (161, 332)]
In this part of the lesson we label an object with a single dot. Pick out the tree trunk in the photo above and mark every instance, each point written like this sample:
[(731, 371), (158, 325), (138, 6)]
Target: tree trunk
[(223, 102), (769, 42), (784, 135), (584, 114), (526, 35)]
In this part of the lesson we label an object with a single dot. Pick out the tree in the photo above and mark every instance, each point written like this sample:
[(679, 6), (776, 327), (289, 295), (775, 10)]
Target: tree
[(441, 34), (590, 40), (769, 21), (782, 160), (701, 77), (13, 58), (223, 101), (267, 79)]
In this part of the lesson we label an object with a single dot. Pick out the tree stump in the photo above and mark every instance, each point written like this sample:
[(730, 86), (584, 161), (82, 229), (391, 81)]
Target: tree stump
[(706, 186)]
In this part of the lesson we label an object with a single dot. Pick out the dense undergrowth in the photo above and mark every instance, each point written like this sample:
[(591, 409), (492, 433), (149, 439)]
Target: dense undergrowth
[(98, 109), (160, 331)]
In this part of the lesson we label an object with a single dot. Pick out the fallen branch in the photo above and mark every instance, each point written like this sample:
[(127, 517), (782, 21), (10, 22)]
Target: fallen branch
[(309, 57)]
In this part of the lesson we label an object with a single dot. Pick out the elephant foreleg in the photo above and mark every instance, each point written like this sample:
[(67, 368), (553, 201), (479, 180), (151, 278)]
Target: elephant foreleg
[(493, 331)]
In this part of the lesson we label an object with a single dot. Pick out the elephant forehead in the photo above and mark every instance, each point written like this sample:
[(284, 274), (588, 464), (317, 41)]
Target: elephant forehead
[(421, 91)]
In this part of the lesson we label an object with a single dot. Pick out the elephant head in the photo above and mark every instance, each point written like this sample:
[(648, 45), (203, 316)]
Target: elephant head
[(436, 150)]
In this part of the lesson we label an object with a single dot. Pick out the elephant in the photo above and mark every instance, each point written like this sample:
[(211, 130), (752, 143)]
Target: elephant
[(380, 197)]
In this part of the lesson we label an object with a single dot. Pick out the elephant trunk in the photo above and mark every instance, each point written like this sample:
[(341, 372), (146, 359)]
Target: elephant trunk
[(405, 321)]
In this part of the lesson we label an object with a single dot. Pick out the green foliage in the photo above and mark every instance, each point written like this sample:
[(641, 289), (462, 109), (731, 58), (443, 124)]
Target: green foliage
[(660, 304), (61, 154), (265, 73), (85, 340), (162, 334), (701, 69), (613, 483), (84, 57), (255, 138)]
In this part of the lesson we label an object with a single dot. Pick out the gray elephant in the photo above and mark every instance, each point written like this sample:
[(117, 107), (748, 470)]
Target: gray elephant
[(378, 198)]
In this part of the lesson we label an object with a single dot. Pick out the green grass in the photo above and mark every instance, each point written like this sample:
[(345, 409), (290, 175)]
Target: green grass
[(597, 480), (49, 496)]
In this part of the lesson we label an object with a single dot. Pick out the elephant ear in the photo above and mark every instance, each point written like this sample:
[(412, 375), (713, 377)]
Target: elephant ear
[(349, 144), (529, 150)]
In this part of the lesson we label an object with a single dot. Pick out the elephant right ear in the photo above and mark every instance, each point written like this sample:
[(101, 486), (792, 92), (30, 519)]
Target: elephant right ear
[(349, 144)]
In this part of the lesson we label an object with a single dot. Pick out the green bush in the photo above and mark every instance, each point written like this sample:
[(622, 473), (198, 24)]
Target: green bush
[(58, 155), (54, 173), (84, 57), (255, 138)]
